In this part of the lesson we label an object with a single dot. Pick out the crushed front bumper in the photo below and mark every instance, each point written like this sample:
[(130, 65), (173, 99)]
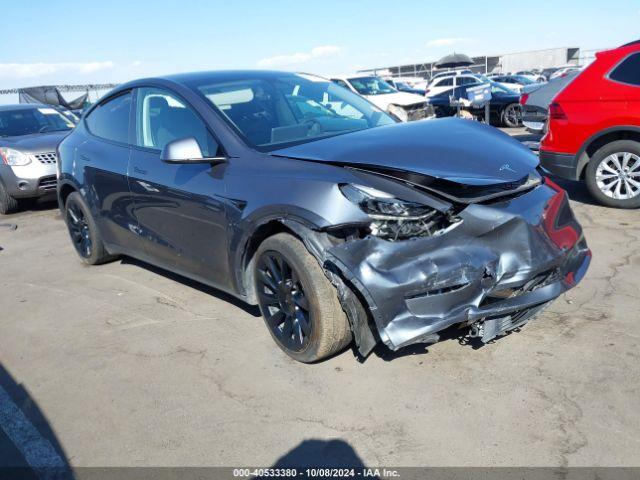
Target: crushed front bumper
[(504, 259)]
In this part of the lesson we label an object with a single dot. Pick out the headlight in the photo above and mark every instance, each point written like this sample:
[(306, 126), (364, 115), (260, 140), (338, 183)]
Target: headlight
[(13, 157), (396, 219), (399, 112)]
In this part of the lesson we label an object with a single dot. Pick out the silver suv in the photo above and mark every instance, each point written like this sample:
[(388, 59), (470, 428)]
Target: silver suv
[(29, 136)]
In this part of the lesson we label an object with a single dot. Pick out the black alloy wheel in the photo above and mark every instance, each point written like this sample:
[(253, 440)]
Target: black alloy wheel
[(512, 115), (283, 302), (79, 230)]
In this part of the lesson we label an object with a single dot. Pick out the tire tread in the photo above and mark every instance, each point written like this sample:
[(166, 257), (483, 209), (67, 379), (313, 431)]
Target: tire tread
[(334, 331)]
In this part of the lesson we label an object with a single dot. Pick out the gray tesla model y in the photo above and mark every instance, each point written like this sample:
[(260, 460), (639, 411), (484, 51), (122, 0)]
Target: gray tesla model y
[(292, 193)]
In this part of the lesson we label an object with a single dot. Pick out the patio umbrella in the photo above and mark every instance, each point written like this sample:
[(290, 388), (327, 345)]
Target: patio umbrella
[(454, 60)]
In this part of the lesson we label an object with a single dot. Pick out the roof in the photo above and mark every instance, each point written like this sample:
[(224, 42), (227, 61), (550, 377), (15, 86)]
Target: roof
[(22, 106), (355, 75), (223, 75)]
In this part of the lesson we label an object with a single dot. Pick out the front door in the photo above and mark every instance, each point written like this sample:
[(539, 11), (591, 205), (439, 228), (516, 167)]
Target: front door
[(180, 208)]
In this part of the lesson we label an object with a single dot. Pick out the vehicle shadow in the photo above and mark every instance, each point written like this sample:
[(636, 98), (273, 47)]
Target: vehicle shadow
[(252, 310), (322, 454), (577, 191), (29, 448), (33, 205)]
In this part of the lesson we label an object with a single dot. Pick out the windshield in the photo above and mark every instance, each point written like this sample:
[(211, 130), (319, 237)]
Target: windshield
[(523, 80), (26, 121), (371, 86), (272, 112)]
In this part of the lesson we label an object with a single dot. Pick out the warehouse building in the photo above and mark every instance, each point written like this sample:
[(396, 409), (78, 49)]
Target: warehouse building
[(508, 62)]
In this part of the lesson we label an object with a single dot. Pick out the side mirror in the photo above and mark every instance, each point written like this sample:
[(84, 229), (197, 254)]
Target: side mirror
[(186, 150)]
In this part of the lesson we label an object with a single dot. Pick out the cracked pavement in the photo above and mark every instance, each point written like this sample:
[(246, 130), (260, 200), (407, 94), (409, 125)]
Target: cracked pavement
[(131, 366)]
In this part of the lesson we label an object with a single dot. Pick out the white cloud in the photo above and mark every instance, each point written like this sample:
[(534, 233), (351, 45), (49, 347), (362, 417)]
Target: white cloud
[(447, 42), (31, 70), (322, 51)]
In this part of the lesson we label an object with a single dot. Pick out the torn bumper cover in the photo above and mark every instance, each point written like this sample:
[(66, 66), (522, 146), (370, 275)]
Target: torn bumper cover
[(498, 267)]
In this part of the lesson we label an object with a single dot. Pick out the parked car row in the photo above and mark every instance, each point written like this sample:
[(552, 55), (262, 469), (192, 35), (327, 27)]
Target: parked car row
[(574, 142)]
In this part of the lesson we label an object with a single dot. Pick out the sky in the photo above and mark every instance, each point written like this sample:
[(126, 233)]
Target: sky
[(72, 41)]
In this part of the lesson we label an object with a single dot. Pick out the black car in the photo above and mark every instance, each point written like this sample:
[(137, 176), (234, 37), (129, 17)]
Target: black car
[(504, 106), (292, 193)]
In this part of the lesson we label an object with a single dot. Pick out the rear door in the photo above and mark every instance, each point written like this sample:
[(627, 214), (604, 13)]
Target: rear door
[(179, 208), (104, 160)]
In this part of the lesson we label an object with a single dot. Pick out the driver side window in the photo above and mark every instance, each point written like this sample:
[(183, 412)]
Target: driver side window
[(162, 117)]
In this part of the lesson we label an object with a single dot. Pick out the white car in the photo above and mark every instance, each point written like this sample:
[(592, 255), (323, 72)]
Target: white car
[(561, 72), (443, 83), (405, 106), (513, 82)]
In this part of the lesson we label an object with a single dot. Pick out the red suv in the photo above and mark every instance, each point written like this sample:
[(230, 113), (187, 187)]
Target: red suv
[(594, 128)]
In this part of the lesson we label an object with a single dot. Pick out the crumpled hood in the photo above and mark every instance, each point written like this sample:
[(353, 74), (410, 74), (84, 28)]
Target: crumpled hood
[(398, 98), (35, 143), (461, 151)]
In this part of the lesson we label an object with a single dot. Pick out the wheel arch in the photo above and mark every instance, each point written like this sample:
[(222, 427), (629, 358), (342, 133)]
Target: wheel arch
[(600, 139), (353, 301), (260, 234), (64, 190)]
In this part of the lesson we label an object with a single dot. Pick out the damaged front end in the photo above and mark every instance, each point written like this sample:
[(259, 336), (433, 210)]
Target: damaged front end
[(490, 263)]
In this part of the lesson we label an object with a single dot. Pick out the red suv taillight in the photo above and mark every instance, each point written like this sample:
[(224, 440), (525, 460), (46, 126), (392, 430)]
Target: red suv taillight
[(556, 112), (523, 98)]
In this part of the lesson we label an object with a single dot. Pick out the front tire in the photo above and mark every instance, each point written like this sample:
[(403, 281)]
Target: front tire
[(8, 204), (83, 231), (299, 305), (613, 174)]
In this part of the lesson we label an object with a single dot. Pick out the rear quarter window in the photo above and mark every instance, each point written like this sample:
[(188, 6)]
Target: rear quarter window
[(445, 82), (628, 71), (110, 120)]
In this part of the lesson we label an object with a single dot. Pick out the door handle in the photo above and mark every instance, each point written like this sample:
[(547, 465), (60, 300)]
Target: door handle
[(139, 171), (148, 187)]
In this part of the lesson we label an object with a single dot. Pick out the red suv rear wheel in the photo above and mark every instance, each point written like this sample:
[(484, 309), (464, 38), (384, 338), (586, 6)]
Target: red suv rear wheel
[(613, 174)]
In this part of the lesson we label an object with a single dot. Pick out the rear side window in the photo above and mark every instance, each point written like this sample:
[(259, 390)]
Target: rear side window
[(445, 82), (467, 81), (628, 71), (110, 120)]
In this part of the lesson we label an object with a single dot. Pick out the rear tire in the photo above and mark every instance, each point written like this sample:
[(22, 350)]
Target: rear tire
[(511, 115), (602, 178), (83, 231), (300, 306), (8, 204)]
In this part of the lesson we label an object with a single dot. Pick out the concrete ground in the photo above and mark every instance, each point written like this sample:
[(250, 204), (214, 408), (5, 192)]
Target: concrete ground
[(125, 365)]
